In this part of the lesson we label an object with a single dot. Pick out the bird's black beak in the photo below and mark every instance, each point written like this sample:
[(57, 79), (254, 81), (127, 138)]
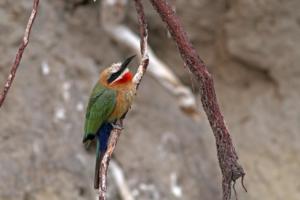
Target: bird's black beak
[(124, 65)]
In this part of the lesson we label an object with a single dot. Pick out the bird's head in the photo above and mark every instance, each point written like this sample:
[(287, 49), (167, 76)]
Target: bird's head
[(117, 73)]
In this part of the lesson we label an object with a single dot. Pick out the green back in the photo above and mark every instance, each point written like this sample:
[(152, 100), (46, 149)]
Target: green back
[(101, 104)]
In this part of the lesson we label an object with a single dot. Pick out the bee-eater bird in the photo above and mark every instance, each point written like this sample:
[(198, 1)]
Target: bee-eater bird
[(110, 100)]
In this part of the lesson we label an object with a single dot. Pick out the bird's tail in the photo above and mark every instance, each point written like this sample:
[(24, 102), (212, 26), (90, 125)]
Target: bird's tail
[(102, 140), (99, 156)]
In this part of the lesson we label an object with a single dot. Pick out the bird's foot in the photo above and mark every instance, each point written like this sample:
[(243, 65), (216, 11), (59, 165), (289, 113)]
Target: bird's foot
[(117, 126)]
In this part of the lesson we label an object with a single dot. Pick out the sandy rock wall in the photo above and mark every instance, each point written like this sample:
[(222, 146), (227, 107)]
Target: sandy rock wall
[(252, 49)]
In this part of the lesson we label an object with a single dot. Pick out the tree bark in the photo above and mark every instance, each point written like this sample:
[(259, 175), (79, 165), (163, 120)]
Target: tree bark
[(228, 159)]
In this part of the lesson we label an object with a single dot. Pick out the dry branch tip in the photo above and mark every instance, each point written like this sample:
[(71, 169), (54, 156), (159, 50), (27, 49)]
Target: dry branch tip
[(20, 52)]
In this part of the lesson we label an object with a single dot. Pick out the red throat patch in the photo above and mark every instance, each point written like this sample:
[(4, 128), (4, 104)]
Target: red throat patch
[(125, 78)]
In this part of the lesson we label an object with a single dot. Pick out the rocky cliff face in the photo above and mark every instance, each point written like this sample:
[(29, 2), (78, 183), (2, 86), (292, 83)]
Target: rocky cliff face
[(252, 48)]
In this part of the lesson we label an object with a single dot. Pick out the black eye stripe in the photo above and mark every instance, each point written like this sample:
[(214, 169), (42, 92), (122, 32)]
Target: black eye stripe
[(115, 75)]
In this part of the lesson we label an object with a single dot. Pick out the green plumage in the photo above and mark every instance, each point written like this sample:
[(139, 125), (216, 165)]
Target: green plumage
[(101, 104), (111, 98)]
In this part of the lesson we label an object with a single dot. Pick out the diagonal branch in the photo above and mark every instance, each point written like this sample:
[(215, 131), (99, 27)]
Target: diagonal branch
[(115, 134), (113, 139), (143, 44), (228, 159), (20, 52)]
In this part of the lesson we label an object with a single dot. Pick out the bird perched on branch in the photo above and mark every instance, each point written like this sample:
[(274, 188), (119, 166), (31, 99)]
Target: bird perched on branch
[(110, 100)]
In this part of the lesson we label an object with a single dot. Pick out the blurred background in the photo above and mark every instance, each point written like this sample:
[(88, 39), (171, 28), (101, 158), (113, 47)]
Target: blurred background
[(252, 48)]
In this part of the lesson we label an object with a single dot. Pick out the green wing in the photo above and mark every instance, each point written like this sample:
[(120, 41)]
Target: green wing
[(101, 104)]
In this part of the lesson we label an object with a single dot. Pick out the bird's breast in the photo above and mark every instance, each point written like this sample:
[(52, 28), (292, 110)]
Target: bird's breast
[(124, 100)]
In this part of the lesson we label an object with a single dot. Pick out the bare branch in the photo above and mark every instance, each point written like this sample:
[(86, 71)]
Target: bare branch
[(113, 139), (227, 156), (20, 52), (115, 133), (143, 44)]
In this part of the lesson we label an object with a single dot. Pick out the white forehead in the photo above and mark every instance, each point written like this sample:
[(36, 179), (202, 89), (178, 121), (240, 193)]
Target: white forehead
[(115, 67)]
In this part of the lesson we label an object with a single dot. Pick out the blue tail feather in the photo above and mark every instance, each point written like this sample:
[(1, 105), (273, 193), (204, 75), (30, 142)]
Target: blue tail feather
[(103, 136), (102, 141)]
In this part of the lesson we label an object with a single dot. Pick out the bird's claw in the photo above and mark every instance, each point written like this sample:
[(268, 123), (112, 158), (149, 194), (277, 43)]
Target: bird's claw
[(117, 126)]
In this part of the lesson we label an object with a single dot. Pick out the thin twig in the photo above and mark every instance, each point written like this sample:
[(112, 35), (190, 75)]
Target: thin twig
[(20, 52), (113, 139), (115, 133), (143, 44), (228, 159)]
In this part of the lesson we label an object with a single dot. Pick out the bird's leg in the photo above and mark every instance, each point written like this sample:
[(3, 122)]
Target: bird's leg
[(117, 125)]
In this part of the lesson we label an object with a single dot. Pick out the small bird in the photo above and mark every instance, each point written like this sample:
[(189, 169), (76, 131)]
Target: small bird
[(110, 100)]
